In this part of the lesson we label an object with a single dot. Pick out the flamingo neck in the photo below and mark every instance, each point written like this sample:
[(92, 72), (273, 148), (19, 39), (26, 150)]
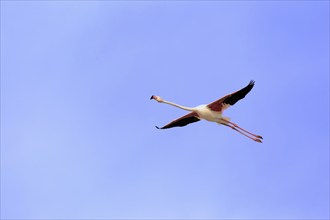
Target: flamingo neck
[(178, 106)]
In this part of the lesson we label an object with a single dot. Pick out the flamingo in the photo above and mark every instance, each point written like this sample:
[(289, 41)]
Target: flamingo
[(212, 112)]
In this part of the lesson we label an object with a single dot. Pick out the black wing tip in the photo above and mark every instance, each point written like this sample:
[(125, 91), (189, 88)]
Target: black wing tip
[(252, 82)]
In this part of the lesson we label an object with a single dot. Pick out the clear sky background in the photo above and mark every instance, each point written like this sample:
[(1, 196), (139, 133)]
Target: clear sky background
[(77, 126)]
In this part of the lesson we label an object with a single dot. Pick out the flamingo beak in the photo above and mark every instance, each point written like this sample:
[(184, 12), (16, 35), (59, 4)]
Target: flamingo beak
[(152, 97)]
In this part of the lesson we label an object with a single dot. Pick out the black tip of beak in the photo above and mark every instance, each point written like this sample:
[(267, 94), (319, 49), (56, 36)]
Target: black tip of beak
[(151, 97), (157, 127)]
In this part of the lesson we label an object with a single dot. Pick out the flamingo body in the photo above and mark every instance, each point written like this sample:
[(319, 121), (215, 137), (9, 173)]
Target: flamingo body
[(206, 113)]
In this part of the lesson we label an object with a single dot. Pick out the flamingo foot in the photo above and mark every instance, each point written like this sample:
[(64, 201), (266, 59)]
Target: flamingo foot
[(257, 140)]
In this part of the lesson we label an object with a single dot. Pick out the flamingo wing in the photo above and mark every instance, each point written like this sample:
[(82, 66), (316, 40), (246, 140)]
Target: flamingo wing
[(183, 121), (231, 99)]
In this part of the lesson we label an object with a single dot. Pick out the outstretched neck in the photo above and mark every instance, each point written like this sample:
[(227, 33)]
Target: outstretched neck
[(178, 106)]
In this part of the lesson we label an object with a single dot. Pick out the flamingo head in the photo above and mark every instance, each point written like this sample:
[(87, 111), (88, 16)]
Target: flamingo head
[(157, 98)]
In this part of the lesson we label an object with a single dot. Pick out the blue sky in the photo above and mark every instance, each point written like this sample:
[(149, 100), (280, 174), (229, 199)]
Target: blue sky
[(77, 126)]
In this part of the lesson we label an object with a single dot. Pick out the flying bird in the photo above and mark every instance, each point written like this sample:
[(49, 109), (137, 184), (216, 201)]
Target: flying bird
[(212, 112)]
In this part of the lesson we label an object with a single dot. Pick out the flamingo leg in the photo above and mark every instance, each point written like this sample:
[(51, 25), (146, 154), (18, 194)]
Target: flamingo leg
[(236, 126)]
